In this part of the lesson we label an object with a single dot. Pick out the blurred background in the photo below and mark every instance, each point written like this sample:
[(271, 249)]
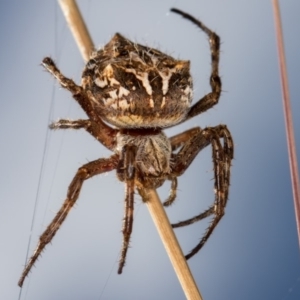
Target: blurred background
[(254, 251)]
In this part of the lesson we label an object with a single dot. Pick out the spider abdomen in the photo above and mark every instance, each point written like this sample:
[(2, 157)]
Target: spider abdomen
[(133, 86)]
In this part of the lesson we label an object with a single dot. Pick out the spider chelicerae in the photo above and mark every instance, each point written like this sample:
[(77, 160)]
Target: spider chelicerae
[(140, 91)]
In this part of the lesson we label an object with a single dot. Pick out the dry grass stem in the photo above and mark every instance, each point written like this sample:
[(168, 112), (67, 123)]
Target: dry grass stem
[(78, 27)]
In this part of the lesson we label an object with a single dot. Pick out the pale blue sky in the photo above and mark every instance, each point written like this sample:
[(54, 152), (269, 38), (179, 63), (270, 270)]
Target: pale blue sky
[(253, 253)]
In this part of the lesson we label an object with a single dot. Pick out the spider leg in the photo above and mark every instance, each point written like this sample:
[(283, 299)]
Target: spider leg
[(192, 142), (90, 126), (126, 166), (173, 192), (85, 172), (222, 156), (212, 98), (177, 141), (197, 218), (180, 139), (72, 124), (108, 134)]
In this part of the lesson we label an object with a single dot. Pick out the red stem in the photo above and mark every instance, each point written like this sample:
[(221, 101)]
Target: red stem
[(288, 116)]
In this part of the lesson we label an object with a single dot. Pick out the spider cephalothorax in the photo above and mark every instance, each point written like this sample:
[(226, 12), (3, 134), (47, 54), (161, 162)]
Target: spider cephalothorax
[(140, 91)]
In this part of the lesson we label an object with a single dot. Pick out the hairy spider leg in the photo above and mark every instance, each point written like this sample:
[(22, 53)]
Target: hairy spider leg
[(177, 141), (180, 139), (126, 170), (173, 192), (85, 172), (196, 140), (101, 131), (91, 127), (212, 98)]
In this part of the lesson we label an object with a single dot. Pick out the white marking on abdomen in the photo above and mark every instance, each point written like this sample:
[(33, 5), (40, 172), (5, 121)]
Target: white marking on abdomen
[(143, 78), (123, 91), (113, 94), (151, 102), (165, 79), (163, 102), (101, 83)]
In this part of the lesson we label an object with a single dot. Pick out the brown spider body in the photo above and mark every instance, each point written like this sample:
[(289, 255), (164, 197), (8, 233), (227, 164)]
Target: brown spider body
[(140, 91), (134, 86)]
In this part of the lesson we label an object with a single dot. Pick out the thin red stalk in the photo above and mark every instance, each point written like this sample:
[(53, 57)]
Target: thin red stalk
[(288, 116)]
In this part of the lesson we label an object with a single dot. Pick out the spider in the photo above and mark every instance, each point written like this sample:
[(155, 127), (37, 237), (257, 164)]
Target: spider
[(140, 91)]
